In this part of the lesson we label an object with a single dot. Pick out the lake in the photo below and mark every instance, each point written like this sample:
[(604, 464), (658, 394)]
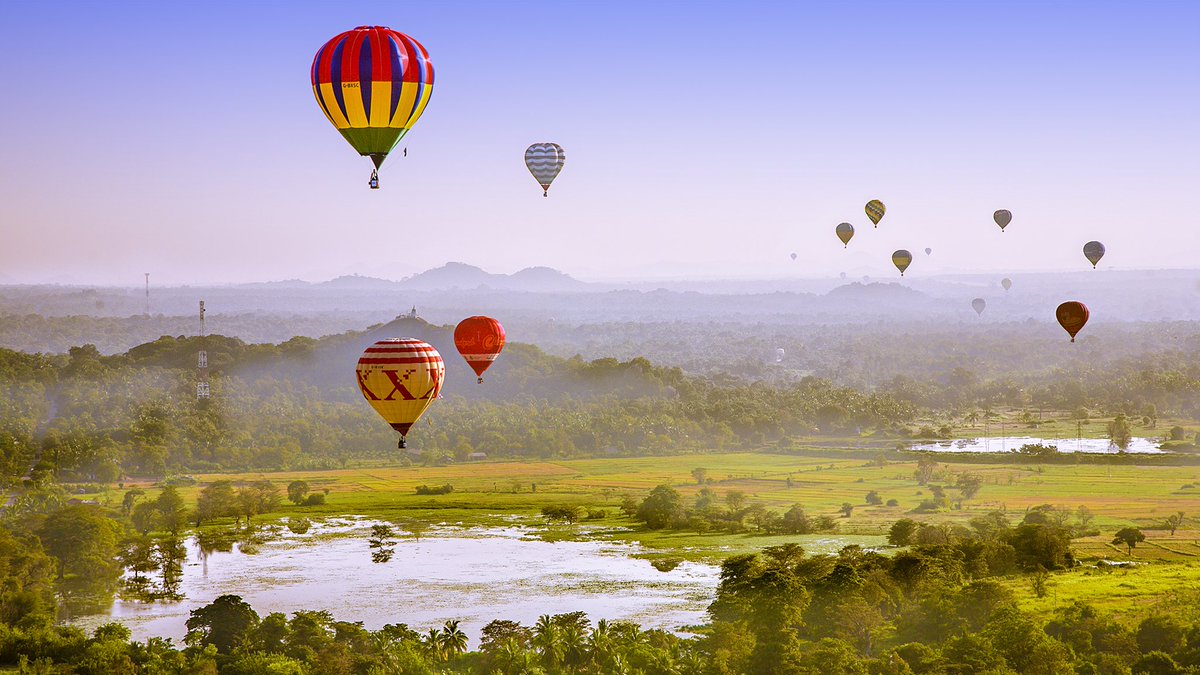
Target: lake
[(472, 574), (1100, 446)]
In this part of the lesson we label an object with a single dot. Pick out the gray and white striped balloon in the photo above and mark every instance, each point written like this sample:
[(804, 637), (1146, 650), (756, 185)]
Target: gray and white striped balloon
[(545, 160)]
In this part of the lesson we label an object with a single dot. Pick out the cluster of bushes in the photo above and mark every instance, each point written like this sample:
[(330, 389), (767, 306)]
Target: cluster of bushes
[(435, 490), (664, 508)]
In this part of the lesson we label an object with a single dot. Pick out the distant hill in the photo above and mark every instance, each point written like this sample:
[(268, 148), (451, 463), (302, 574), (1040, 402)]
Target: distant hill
[(360, 282), (456, 275), (875, 291)]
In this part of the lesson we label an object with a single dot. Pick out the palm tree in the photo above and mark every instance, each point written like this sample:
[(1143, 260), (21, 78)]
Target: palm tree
[(546, 641), (972, 417), (452, 640), (433, 645), (574, 645)]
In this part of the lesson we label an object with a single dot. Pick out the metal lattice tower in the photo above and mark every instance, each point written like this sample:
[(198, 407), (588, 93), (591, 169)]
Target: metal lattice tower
[(202, 392)]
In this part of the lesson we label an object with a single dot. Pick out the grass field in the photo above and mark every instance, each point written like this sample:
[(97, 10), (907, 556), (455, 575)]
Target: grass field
[(484, 492)]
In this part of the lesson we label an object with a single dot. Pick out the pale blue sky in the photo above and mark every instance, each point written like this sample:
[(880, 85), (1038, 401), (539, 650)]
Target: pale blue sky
[(704, 139)]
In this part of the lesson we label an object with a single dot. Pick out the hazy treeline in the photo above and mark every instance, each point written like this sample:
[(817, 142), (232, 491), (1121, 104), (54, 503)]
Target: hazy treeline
[(84, 415)]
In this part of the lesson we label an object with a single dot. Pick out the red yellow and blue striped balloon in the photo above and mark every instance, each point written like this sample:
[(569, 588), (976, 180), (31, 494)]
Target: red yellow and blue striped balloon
[(372, 83)]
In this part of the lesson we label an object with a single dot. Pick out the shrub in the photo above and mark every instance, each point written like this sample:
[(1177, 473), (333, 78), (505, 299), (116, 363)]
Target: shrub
[(436, 490), (317, 499)]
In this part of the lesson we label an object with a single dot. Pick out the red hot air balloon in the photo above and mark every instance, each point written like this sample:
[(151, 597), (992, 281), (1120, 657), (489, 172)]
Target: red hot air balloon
[(1072, 316), (479, 339)]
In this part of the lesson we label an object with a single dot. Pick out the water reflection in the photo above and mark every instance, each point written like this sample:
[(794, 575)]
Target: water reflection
[(472, 574), (1016, 443)]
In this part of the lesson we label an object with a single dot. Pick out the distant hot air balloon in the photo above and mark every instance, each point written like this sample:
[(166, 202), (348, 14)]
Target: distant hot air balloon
[(1093, 251), (1002, 217), (901, 259), (779, 354), (1072, 316), (544, 161), (400, 378), (928, 250), (372, 83), (1006, 283), (979, 304), (793, 257), (479, 339), (875, 210), (845, 232), (843, 275)]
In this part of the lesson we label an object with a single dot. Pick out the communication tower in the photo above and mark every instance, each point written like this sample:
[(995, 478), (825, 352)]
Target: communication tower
[(147, 312), (202, 362)]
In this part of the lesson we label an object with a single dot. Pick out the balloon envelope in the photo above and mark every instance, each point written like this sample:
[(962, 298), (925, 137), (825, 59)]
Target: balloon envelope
[(544, 161), (845, 232), (875, 210), (372, 83), (1002, 217), (1093, 251), (400, 378), (1072, 316), (979, 304), (1006, 283), (793, 256), (480, 340), (928, 251), (901, 259)]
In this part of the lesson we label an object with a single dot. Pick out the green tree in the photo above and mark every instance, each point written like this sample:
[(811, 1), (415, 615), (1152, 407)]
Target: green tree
[(172, 511), (217, 500), (661, 508), (1161, 633), (701, 475), (223, 623), (846, 509), (1119, 432), (873, 498), (969, 484), (1130, 537), (86, 544), (297, 491), (903, 532), (1174, 521)]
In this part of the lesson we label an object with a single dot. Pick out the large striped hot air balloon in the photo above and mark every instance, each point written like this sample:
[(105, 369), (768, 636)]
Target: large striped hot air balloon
[(544, 161), (901, 259), (479, 339), (400, 378), (372, 83)]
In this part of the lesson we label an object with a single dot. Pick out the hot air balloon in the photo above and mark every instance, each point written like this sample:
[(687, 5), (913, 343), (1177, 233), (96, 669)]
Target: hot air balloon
[(545, 160), (928, 250), (843, 276), (979, 304), (479, 339), (793, 257), (372, 83), (779, 354), (901, 259), (1072, 316), (1002, 217), (1093, 251), (845, 232), (875, 210), (1006, 283), (400, 378)]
